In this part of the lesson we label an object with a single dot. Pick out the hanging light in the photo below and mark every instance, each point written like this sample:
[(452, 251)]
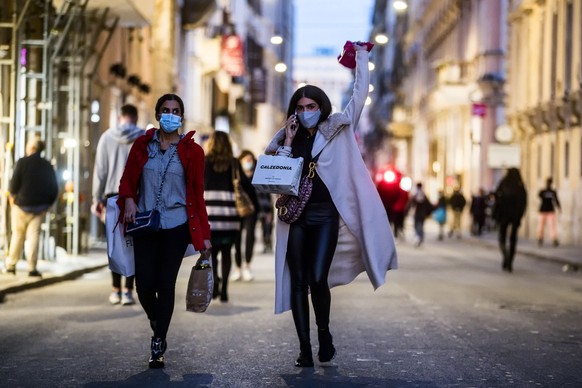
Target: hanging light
[(276, 39), (381, 38), (280, 67), (400, 5)]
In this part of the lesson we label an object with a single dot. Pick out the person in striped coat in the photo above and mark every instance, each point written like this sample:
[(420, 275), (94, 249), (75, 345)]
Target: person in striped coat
[(219, 197)]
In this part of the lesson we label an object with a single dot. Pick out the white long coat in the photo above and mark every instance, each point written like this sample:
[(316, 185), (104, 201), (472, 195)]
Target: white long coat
[(365, 240)]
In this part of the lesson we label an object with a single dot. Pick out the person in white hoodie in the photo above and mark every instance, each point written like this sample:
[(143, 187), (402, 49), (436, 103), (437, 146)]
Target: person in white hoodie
[(110, 157), (344, 229)]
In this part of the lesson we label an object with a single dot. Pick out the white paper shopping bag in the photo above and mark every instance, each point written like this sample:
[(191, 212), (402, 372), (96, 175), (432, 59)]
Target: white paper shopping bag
[(277, 174), (119, 247)]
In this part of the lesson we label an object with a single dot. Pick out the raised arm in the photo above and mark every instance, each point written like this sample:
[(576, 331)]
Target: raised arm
[(361, 86)]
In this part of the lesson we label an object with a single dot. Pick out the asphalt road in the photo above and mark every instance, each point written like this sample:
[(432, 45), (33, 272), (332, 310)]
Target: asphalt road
[(449, 317)]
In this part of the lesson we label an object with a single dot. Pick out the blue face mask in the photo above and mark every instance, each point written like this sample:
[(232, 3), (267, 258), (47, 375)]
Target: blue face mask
[(170, 123), (309, 119)]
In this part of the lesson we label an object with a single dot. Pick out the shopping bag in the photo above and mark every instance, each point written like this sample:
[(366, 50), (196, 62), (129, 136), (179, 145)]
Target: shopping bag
[(277, 174), (119, 245), (200, 284), (348, 55)]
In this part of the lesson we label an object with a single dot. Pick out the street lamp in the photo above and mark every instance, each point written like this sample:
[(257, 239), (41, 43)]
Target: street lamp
[(400, 5), (381, 38), (276, 39), (280, 67)]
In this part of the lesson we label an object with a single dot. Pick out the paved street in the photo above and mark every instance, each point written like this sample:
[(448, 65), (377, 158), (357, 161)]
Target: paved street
[(449, 317)]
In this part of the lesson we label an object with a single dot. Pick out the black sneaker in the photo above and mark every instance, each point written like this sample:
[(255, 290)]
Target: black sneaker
[(158, 348), (35, 274), (9, 271)]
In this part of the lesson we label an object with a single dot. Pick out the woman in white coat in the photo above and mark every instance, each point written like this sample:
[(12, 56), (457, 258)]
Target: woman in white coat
[(343, 229)]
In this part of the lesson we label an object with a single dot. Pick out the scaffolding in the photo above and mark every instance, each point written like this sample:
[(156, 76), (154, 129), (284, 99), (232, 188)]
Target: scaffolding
[(47, 57)]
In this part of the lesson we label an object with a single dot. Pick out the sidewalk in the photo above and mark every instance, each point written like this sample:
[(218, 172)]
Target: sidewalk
[(64, 267), (67, 267), (569, 256)]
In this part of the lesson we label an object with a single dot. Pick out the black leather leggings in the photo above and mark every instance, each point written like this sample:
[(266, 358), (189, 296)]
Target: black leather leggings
[(312, 242)]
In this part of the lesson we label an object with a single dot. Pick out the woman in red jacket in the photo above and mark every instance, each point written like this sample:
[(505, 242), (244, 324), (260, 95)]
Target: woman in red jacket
[(164, 171)]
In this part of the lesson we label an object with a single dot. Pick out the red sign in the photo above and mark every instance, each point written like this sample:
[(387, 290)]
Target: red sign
[(232, 55), (479, 109)]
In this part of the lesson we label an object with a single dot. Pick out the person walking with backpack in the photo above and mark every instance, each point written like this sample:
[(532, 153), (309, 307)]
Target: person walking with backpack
[(457, 203)]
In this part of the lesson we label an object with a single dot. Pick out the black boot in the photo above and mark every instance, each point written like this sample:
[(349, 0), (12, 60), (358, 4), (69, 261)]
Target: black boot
[(326, 348), (305, 359), (158, 348)]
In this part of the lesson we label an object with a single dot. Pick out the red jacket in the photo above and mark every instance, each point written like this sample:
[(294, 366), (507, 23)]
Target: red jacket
[(192, 157)]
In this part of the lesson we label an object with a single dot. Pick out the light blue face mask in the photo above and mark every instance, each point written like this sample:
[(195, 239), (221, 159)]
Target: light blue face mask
[(170, 123), (309, 119)]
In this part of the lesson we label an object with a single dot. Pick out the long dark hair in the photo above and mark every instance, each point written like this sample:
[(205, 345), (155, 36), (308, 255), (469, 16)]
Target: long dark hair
[(219, 151), (512, 181), (314, 93)]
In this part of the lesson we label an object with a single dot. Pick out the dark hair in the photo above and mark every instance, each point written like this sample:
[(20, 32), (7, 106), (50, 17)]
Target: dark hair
[(168, 97), (549, 182), (245, 153), (129, 110), (37, 144), (314, 93), (219, 151)]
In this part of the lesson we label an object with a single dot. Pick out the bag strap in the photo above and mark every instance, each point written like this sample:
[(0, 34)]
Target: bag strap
[(235, 173), (312, 165), (164, 177)]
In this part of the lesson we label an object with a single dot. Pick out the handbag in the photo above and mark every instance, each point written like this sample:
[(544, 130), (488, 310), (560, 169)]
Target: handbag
[(119, 245), (440, 215), (200, 284), (290, 207), (277, 174), (242, 201), (148, 222)]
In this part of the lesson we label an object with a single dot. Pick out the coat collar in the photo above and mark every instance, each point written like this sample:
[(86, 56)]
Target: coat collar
[(326, 131)]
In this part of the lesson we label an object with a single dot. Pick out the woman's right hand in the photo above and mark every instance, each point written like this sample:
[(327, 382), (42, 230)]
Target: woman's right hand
[(291, 127), (130, 210)]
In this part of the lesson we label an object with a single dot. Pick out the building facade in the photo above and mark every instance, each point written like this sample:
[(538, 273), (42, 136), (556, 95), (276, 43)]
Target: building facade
[(66, 67), (544, 104), (487, 85)]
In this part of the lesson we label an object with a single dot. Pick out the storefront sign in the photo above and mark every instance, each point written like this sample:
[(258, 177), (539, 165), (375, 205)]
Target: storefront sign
[(478, 109), (232, 55)]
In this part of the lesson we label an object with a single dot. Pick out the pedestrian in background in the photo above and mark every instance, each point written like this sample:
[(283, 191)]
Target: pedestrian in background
[(510, 205), (478, 212), (307, 261), (179, 197), (423, 208), (549, 204), (457, 203), (266, 218), (110, 157), (248, 225), (394, 199), (32, 191), (224, 220), (440, 214)]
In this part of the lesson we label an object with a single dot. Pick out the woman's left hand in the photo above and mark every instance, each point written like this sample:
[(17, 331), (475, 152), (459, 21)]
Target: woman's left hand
[(207, 244)]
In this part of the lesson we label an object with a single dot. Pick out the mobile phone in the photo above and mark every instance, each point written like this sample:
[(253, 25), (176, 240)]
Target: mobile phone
[(294, 126)]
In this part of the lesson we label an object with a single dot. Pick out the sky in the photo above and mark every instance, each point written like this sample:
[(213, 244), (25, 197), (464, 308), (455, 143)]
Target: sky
[(329, 23)]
